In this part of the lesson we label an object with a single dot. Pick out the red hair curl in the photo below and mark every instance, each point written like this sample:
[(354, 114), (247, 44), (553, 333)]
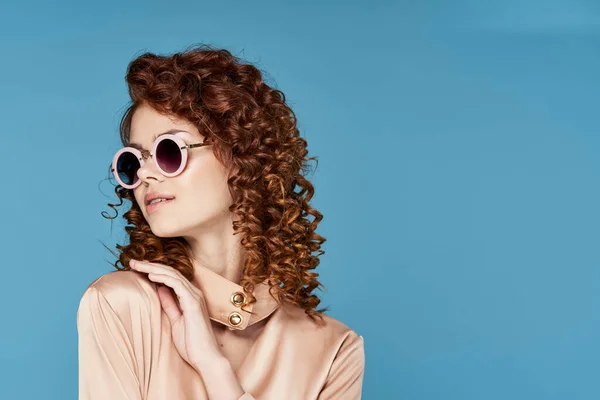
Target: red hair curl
[(253, 131)]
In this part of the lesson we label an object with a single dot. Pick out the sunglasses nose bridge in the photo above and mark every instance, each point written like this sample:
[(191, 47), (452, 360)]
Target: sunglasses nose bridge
[(143, 171), (146, 154)]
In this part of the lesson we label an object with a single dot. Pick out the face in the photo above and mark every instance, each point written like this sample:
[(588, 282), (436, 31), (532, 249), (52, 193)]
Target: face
[(200, 191)]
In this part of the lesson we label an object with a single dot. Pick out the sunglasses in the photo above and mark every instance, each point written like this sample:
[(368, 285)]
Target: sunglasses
[(169, 152)]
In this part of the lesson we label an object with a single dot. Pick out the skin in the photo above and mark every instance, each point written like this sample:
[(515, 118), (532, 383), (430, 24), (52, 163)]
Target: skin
[(200, 215), (200, 211)]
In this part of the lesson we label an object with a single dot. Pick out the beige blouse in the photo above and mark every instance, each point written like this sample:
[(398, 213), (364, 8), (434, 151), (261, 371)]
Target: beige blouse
[(126, 351)]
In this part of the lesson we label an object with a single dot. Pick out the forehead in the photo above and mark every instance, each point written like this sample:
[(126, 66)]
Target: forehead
[(178, 132), (148, 124)]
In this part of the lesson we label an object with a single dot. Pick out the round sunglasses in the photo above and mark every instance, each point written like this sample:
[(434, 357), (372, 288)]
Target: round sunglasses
[(169, 152)]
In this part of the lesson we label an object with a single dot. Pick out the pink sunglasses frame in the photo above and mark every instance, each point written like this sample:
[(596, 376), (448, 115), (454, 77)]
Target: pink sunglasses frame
[(139, 154)]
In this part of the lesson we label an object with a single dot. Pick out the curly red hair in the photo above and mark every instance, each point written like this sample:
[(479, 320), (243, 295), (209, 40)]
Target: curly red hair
[(253, 131)]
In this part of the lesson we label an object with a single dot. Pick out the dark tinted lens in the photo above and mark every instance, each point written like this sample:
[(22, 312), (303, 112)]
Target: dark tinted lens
[(168, 155), (127, 167)]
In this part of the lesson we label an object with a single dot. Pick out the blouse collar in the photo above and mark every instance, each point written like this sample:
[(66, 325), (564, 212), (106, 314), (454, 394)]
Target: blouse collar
[(224, 299)]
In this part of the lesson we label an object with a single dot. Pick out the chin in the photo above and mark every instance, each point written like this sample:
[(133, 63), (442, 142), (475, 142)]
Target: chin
[(164, 235), (164, 231)]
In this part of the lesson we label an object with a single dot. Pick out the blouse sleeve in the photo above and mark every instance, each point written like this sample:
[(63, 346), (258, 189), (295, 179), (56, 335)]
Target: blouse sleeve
[(107, 365), (347, 371)]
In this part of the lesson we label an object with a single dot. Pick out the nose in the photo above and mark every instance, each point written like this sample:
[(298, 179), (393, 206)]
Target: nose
[(148, 170)]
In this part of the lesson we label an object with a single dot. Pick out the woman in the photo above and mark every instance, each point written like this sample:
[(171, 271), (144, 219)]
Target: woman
[(213, 299)]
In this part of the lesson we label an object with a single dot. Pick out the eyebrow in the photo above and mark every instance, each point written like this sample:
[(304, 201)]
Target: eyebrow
[(170, 131)]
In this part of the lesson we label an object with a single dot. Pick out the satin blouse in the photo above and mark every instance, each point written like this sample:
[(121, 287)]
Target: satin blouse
[(126, 352)]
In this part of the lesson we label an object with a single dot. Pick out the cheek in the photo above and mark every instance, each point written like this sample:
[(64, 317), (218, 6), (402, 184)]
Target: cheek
[(206, 175), (138, 196), (208, 196), (202, 189)]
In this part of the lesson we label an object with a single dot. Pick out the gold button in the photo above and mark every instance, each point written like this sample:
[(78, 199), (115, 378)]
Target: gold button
[(235, 318), (238, 299)]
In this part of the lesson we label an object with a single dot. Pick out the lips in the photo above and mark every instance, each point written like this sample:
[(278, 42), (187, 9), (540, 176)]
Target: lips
[(154, 206), (155, 195)]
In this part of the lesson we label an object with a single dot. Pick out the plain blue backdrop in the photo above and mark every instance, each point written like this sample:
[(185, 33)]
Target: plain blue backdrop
[(458, 175)]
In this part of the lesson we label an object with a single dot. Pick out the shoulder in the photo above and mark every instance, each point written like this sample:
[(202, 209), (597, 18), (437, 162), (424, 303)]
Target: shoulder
[(120, 292), (331, 333), (329, 352), (120, 282), (343, 337)]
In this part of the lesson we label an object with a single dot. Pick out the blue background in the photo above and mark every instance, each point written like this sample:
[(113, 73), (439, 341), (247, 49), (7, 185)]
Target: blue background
[(458, 174)]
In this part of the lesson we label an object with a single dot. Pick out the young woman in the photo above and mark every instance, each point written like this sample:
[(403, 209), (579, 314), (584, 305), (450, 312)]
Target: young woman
[(213, 299)]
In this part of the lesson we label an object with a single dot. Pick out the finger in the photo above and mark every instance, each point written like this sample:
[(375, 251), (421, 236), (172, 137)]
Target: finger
[(148, 267), (169, 304), (162, 267), (156, 268), (187, 300)]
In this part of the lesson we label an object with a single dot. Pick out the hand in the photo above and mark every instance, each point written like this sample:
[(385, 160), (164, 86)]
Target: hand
[(192, 330)]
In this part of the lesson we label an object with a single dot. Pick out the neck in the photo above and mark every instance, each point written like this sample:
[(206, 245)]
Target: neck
[(217, 249)]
